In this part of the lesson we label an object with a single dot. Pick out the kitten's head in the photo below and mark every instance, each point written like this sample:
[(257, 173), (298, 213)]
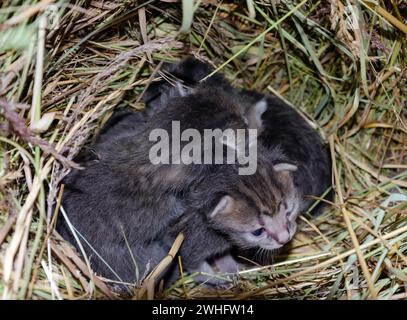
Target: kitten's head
[(259, 210)]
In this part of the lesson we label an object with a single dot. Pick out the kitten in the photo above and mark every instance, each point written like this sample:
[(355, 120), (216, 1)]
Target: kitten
[(128, 209), (279, 126), (121, 203), (227, 210), (284, 128)]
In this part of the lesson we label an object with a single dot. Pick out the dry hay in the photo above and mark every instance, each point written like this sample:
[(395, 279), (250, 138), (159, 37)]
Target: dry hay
[(340, 63)]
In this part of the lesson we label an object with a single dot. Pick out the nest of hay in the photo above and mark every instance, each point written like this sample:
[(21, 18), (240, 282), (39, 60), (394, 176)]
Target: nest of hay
[(65, 66)]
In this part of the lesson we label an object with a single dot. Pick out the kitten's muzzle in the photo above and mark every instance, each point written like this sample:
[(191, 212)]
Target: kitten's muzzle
[(282, 237)]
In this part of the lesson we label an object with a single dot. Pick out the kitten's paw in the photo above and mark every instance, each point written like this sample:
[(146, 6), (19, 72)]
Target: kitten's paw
[(208, 278), (227, 264), (212, 282)]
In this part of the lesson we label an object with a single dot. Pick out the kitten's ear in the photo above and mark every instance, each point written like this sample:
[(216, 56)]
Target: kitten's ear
[(158, 94), (190, 70), (224, 206), (285, 166), (254, 113)]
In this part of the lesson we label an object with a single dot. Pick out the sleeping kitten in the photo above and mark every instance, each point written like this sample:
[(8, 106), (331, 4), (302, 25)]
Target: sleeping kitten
[(278, 124), (121, 203), (130, 210)]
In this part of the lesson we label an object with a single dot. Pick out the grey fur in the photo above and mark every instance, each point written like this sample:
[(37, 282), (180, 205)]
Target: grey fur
[(121, 195)]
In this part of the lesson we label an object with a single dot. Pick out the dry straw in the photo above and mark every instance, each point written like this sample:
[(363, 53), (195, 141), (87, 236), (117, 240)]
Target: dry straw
[(66, 65)]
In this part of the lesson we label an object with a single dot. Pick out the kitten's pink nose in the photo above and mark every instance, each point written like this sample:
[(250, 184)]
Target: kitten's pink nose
[(282, 237)]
